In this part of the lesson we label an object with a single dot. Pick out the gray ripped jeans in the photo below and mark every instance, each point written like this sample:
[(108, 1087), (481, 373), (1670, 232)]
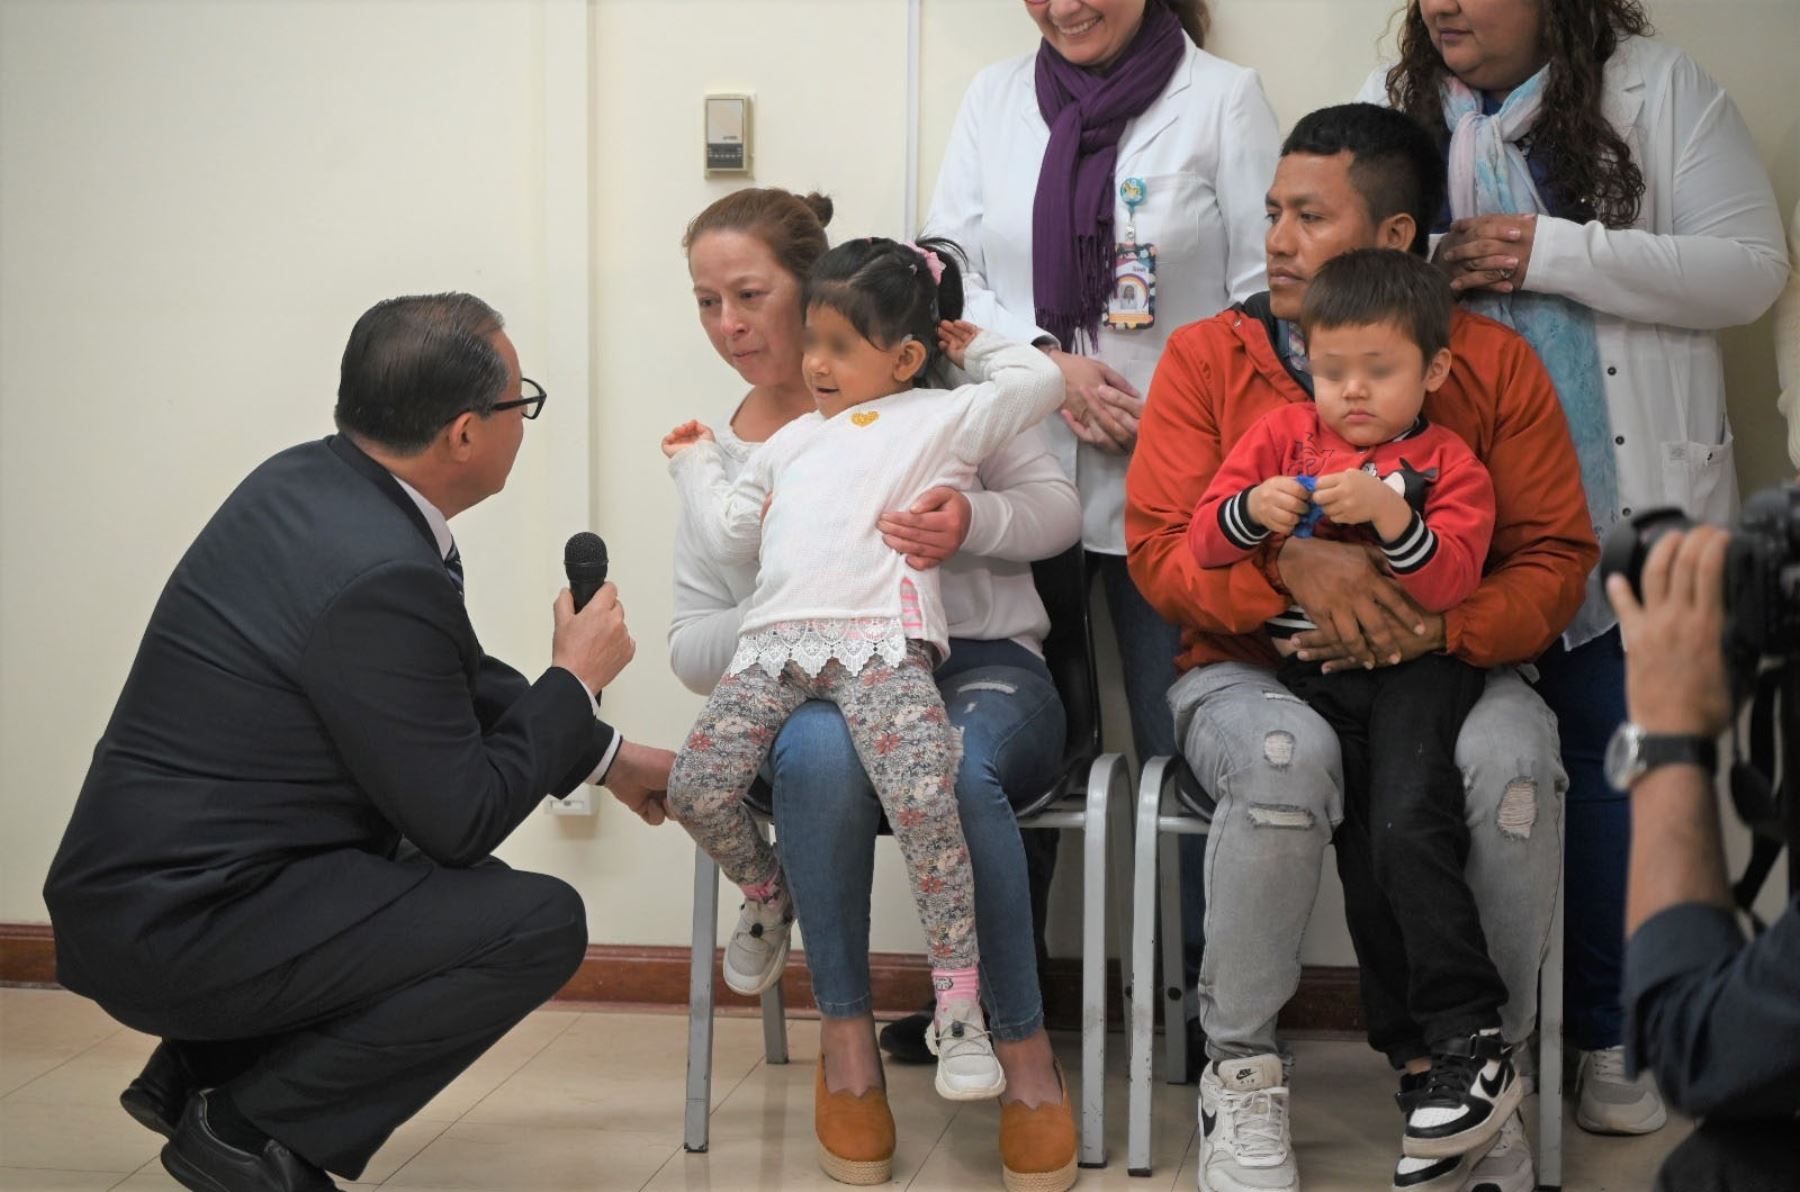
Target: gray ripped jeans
[(1272, 764)]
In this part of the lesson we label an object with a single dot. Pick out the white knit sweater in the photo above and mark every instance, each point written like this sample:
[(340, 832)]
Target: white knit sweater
[(822, 559), (1025, 510)]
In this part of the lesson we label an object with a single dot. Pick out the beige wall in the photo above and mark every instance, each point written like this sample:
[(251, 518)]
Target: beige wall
[(197, 199)]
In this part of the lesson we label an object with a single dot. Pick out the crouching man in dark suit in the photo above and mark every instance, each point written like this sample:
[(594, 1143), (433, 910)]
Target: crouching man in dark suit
[(279, 862)]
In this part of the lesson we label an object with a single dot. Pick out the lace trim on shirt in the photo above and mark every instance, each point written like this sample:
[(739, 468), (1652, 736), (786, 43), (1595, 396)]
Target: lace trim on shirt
[(810, 645)]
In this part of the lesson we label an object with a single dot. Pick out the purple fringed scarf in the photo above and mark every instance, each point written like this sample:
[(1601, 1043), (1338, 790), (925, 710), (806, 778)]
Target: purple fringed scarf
[(1072, 215)]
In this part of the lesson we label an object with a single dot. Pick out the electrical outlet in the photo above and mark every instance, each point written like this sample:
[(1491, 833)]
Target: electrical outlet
[(579, 802)]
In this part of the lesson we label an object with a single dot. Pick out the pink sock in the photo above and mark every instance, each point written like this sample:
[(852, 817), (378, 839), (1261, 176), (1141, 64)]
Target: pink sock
[(956, 985), (767, 890)]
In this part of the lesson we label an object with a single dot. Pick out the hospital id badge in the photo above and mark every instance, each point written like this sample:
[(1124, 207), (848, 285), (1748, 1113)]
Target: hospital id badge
[(1132, 306)]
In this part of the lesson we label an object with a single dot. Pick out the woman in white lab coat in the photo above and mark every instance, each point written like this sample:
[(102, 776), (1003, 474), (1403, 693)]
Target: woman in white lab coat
[(1109, 189), (1605, 200)]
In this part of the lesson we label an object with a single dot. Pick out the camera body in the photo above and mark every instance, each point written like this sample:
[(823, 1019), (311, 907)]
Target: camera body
[(1762, 579), (1762, 575), (1761, 647)]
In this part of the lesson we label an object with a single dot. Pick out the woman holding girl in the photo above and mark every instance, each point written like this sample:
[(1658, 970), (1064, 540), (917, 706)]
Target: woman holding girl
[(749, 255)]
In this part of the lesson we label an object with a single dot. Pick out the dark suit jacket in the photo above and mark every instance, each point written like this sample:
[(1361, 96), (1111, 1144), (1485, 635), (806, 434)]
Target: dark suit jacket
[(308, 692)]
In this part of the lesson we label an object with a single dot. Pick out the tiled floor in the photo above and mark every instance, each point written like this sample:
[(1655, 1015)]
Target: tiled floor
[(590, 1102)]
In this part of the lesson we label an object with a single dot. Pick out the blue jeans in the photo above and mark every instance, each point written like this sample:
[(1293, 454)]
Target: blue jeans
[(1585, 687), (1147, 649), (826, 818)]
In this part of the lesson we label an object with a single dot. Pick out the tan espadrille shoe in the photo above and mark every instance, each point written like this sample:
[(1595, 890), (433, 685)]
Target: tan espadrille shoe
[(1037, 1146), (856, 1133)]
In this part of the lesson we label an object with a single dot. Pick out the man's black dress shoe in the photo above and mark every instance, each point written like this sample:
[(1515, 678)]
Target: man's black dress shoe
[(161, 1091), (201, 1160)]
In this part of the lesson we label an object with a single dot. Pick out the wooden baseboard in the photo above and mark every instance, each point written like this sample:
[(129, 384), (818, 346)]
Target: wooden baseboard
[(1329, 998), (27, 954), (626, 974)]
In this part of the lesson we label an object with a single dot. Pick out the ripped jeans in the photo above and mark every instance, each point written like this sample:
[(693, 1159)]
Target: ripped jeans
[(1273, 765)]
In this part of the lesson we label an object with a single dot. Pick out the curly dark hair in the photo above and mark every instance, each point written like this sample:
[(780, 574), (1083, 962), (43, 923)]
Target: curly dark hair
[(1196, 21), (1590, 168)]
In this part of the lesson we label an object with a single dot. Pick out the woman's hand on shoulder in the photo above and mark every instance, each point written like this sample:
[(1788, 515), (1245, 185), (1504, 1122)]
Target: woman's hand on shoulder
[(685, 436), (1487, 252), (1102, 408)]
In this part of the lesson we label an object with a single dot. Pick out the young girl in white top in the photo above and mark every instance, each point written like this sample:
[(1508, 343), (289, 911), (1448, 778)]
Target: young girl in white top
[(837, 615)]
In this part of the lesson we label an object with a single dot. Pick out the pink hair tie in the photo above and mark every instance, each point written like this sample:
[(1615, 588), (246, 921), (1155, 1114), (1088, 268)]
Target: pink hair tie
[(932, 262)]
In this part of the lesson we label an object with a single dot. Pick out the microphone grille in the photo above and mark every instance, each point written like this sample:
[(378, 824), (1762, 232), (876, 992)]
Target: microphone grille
[(584, 549)]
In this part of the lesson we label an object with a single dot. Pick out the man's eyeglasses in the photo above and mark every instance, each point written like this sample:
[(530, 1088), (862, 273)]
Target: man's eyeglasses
[(532, 403)]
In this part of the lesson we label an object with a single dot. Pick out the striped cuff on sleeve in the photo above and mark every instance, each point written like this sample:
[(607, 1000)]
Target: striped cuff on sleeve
[(1241, 530), (1412, 549)]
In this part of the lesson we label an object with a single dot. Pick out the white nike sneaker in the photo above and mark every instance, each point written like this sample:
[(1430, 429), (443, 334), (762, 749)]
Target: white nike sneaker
[(758, 949), (1471, 1090), (1612, 1102), (1244, 1142), (967, 1069), (1507, 1167)]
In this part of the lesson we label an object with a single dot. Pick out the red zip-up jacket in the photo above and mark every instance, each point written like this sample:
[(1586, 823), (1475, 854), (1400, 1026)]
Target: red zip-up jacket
[(1219, 375), (1437, 558)]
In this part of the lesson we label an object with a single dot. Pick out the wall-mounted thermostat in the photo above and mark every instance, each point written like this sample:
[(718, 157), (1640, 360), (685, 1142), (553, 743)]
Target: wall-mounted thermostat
[(728, 134)]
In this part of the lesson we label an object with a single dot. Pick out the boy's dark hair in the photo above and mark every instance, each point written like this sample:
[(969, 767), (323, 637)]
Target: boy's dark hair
[(1381, 285), (414, 364), (884, 288), (1395, 165)]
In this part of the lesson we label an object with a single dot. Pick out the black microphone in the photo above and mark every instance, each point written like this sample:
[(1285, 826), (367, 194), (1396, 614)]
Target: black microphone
[(584, 561)]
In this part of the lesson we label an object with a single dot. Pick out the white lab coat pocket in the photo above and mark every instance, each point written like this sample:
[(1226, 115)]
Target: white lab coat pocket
[(1699, 478)]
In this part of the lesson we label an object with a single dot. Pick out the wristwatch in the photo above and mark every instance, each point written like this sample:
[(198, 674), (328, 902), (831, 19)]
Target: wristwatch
[(1633, 753)]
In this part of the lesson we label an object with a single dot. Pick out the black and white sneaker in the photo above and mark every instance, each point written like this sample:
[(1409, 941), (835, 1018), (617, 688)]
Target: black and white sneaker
[(1431, 1175), (1450, 1174), (1470, 1091)]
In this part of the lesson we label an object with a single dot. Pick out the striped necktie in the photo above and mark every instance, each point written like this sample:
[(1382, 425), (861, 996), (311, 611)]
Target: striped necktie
[(453, 564)]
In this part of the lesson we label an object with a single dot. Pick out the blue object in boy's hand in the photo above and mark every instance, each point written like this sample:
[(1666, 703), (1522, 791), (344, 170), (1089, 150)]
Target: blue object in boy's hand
[(1305, 528)]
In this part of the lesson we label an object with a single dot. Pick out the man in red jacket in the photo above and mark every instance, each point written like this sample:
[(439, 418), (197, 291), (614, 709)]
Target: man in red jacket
[(1350, 177)]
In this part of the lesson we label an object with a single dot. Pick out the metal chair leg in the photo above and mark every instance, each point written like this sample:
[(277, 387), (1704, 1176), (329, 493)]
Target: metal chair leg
[(1174, 974), (1143, 977), (774, 1002), (1550, 1044), (774, 1018), (700, 1003), (1107, 779), (1120, 832)]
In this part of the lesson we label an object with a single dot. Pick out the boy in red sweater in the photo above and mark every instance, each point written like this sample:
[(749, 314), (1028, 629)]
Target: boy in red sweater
[(1361, 463)]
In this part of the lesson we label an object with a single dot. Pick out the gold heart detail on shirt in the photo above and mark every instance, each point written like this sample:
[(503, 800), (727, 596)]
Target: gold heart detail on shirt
[(864, 417)]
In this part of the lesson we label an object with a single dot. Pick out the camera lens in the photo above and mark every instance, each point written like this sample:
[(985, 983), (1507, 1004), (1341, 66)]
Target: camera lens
[(1628, 544)]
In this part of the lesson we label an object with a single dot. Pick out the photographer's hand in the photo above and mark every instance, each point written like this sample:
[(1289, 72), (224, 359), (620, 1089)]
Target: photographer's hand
[(1675, 683), (1674, 662)]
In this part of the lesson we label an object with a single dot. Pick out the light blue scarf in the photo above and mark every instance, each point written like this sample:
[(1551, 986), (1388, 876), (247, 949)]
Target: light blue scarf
[(1490, 176)]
